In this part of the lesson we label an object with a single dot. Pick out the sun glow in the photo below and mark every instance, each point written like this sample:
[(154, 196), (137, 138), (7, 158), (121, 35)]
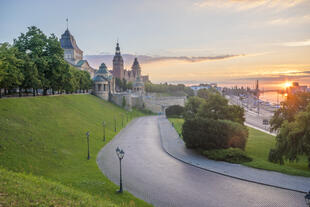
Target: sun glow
[(287, 84)]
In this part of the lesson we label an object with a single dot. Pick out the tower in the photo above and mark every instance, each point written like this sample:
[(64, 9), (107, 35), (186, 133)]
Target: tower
[(136, 69), (118, 63)]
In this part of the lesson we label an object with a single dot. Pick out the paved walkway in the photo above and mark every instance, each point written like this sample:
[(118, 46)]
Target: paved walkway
[(175, 146), (152, 175)]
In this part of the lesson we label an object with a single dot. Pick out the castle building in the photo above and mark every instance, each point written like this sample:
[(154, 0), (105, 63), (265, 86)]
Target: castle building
[(73, 54), (121, 73)]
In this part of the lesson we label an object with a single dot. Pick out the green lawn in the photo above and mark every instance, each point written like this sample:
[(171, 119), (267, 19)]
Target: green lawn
[(177, 123), (258, 146), (45, 136)]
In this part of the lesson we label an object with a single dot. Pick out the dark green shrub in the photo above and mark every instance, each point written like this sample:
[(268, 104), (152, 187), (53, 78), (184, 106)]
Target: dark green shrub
[(275, 157), (174, 111), (232, 155), (210, 134)]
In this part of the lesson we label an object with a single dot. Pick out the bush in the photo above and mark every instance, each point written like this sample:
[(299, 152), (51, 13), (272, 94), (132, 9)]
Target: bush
[(174, 111), (232, 155), (275, 157), (210, 134)]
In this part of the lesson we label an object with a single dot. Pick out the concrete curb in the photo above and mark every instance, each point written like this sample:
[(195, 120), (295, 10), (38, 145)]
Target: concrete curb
[(217, 172)]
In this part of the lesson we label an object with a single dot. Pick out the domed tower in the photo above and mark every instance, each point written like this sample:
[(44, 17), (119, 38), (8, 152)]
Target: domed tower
[(136, 69), (103, 83), (118, 63)]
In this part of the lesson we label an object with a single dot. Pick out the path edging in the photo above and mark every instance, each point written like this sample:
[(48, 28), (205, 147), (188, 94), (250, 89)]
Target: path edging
[(217, 172)]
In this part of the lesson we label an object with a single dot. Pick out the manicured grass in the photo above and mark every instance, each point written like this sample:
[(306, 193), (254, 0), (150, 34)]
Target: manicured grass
[(177, 123), (45, 136), (257, 147), (19, 189)]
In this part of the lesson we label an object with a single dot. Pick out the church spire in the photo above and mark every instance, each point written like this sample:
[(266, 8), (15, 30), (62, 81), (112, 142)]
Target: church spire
[(67, 23), (117, 49)]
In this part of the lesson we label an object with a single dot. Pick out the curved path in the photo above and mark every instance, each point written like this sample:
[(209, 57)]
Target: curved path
[(152, 175)]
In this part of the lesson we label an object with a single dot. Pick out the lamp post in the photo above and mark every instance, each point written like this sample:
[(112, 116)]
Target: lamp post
[(307, 198), (114, 124), (120, 154), (103, 125), (87, 136)]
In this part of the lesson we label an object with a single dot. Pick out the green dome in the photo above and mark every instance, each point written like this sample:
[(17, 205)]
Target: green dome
[(103, 69)]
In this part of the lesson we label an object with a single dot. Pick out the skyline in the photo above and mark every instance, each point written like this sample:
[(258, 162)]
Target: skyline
[(267, 40)]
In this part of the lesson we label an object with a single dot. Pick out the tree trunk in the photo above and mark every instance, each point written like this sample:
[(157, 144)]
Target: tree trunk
[(34, 92), (0, 92), (44, 92), (19, 92)]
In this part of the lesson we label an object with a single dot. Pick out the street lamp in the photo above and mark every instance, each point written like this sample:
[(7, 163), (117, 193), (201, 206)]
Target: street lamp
[(103, 125), (120, 154), (307, 198), (114, 124), (87, 136)]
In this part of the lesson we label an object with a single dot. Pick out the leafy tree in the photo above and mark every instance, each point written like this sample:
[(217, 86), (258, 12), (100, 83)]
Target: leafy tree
[(34, 42), (191, 107), (124, 102), (235, 113), (293, 138), (215, 107), (292, 105), (205, 93), (10, 65), (129, 85), (30, 72)]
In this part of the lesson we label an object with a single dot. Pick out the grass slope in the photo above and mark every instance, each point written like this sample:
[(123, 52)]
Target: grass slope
[(257, 147), (45, 136), (19, 189)]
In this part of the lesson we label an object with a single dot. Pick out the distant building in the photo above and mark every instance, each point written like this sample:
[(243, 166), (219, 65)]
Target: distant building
[(121, 73), (73, 54), (103, 83), (296, 88)]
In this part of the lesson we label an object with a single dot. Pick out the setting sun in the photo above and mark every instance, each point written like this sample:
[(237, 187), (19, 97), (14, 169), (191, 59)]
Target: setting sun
[(287, 84)]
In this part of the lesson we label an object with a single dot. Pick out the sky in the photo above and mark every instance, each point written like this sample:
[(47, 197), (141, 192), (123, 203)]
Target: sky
[(185, 41)]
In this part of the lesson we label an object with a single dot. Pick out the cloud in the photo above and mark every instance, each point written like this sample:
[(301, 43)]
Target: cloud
[(248, 4), (290, 20), (96, 60), (279, 76), (297, 44)]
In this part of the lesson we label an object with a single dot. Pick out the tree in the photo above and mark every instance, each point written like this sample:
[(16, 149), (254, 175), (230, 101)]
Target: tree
[(235, 113), (293, 138), (191, 107), (30, 73), (129, 85), (205, 93), (34, 42), (10, 66), (291, 106), (215, 107), (124, 102)]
